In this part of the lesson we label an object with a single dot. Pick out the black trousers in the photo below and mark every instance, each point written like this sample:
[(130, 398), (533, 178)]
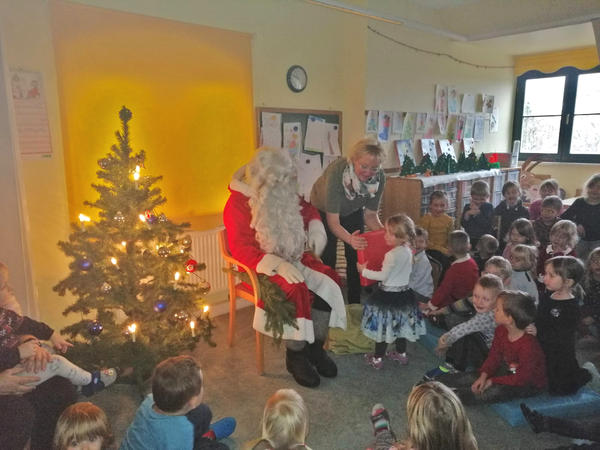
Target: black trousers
[(468, 351), (351, 223)]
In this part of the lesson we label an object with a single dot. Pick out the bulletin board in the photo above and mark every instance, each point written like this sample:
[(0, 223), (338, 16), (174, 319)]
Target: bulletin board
[(299, 115)]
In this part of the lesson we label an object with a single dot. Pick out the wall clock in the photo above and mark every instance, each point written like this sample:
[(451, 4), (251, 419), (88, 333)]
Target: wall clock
[(296, 78)]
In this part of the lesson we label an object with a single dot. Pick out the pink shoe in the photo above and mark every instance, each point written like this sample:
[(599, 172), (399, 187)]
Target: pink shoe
[(394, 355), (376, 363)]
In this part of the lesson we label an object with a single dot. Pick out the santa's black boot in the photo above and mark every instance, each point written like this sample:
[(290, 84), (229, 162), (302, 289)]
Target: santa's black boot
[(321, 360), (297, 363)]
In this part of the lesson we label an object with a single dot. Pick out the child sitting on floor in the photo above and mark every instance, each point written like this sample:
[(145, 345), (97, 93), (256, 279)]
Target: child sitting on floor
[(556, 323), (486, 248), (468, 343), (285, 422), (590, 311), (547, 188), (515, 365), (499, 266), (436, 420), (83, 426), (519, 232), (173, 417), (477, 216), (523, 259), (563, 239), (509, 210), (421, 281), (439, 225), (390, 314), (461, 276), (551, 208), (20, 346)]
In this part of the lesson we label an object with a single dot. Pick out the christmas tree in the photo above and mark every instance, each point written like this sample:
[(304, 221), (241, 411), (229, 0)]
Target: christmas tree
[(482, 163), (441, 165), (132, 273), (426, 166), (408, 167)]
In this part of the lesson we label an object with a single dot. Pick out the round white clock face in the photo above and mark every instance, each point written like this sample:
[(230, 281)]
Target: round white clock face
[(296, 78)]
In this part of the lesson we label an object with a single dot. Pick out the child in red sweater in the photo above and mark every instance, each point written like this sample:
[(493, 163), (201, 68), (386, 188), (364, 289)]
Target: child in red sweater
[(460, 278), (515, 366)]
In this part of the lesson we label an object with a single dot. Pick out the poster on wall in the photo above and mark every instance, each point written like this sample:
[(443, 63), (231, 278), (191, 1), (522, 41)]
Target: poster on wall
[(494, 120), (403, 149), (292, 138), (468, 103), (385, 124), (453, 100), (478, 127), (397, 122), (487, 103), (441, 99), (371, 121), (428, 148), (408, 130), (31, 116)]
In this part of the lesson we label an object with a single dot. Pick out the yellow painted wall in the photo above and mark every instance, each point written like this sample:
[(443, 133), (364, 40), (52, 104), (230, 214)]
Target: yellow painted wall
[(548, 62), (190, 90)]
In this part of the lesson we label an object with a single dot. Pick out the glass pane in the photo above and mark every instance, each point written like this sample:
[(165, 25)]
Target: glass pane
[(588, 94), (586, 135), (544, 96), (540, 134)]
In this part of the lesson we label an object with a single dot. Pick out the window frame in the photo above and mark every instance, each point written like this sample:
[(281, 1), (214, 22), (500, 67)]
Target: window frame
[(567, 115)]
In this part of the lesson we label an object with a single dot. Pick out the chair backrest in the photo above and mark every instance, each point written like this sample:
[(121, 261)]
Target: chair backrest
[(436, 271)]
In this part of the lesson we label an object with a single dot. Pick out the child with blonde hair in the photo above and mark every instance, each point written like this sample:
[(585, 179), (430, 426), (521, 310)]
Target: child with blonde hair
[(547, 188), (499, 266), (390, 314), (421, 281), (83, 425), (585, 212), (563, 239), (285, 422), (523, 259), (436, 420), (439, 225)]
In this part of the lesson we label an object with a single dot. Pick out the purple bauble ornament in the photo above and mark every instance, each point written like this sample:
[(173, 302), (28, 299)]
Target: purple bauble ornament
[(95, 328)]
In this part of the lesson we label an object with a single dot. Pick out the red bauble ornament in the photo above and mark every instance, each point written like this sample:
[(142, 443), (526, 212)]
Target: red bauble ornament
[(190, 266)]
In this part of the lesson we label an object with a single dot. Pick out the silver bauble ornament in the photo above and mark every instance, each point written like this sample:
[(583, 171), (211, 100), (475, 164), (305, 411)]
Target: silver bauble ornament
[(105, 288), (163, 252), (119, 217)]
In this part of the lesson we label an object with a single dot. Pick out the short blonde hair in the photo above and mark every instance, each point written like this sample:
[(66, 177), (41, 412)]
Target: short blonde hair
[(437, 419), (528, 253), (80, 422), (566, 231), (491, 282), (367, 146), (503, 266), (285, 419), (401, 226), (458, 243), (480, 187), (488, 243)]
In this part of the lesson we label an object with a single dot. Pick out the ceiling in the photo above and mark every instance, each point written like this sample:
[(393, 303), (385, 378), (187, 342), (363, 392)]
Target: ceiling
[(550, 24)]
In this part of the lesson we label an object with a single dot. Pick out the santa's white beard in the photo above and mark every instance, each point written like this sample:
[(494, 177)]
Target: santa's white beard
[(277, 220)]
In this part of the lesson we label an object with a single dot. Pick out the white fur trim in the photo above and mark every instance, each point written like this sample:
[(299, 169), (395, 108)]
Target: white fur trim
[(268, 264), (317, 237), (236, 183)]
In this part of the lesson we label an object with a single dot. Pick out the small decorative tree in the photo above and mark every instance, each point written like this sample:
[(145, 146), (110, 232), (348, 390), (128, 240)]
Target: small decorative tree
[(130, 272), (426, 166), (482, 163), (408, 167)]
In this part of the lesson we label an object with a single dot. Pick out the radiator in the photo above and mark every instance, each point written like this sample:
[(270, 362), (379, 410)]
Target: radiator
[(205, 249)]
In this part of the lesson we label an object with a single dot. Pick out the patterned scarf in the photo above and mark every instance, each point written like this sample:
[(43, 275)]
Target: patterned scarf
[(353, 187)]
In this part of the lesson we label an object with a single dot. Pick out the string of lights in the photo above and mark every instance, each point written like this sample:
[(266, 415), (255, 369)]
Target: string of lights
[(429, 52)]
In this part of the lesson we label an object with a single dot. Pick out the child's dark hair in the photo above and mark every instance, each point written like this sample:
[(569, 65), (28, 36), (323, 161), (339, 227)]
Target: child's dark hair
[(480, 187), (175, 381), (568, 268), (518, 305), (421, 232), (438, 194), (510, 184), (552, 201), (594, 257), (550, 183), (401, 226), (488, 244), (524, 228), (458, 242)]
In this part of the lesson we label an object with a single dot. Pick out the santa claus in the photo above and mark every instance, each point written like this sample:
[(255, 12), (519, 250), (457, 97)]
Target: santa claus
[(273, 231)]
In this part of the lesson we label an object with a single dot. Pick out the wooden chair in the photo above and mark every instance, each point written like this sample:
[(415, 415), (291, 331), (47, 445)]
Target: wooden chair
[(243, 290)]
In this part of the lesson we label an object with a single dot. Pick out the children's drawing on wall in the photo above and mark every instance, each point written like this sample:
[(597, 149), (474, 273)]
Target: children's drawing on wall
[(430, 125), (469, 123), (460, 127), (385, 123), (270, 131), (316, 139), (487, 105), (292, 139), (453, 100), (309, 169), (404, 147), (494, 120), (451, 126), (468, 146), (441, 98), (428, 148), (446, 148), (468, 103), (16, 84), (442, 120), (333, 139), (371, 122), (397, 122), (408, 130), (478, 127), (421, 123)]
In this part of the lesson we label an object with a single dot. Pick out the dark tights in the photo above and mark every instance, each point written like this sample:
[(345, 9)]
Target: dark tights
[(381, 347)]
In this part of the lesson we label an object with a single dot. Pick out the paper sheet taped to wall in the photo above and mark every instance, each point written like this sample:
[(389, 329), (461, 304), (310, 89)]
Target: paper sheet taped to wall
[(31, 116)]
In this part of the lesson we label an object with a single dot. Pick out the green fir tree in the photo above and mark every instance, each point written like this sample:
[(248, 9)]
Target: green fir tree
[(482, 163), (426, 165), (408, 167), (461, 163), (441, 165), (132, 266)]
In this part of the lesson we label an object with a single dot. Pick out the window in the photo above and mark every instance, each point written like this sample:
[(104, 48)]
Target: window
[(557, 115)]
